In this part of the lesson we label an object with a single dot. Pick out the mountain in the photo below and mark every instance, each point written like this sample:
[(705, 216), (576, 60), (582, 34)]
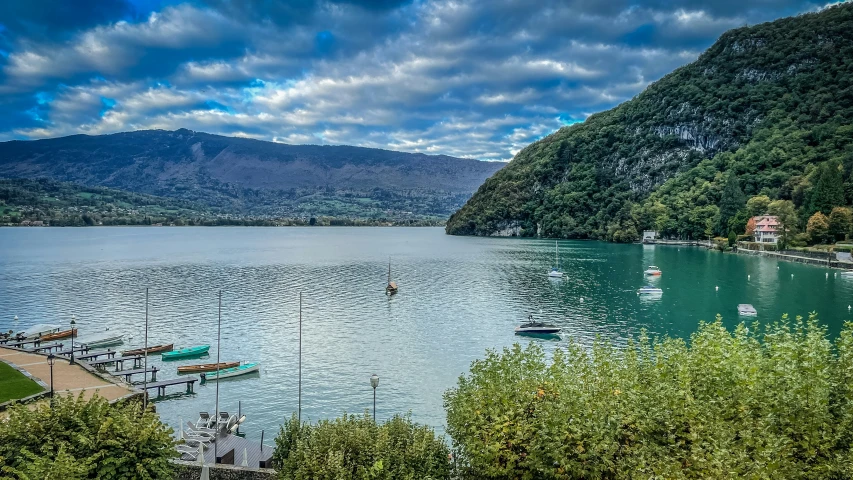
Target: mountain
[(762, 109), (254, 177)]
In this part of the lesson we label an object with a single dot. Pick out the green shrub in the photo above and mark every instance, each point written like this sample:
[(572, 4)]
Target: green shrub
[(81, 439), (355, 447), (772, 402)]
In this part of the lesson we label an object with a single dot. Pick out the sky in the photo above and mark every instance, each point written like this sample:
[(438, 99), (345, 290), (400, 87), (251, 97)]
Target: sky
[(468, 78)]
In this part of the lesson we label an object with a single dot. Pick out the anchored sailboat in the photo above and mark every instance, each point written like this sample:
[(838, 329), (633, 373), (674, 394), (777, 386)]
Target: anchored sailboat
[(555, 271), (391, 288)]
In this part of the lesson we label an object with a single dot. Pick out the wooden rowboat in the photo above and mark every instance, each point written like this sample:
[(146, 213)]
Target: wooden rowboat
[(207, 367), (58, 335), (153, 349)]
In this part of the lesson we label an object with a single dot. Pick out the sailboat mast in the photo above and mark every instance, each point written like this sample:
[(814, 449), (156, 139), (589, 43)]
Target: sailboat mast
[(218, 345)]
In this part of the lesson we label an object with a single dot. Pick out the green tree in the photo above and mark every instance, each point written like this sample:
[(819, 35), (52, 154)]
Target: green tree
[(757, 402), (86, 439), (787, 215), (732, 200), (840, 223), (732, 238), (355, 447), (757, 205), (828, 191), (818, 228)]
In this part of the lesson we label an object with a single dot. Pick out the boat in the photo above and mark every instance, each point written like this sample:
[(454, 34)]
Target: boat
[(555, 271), (153, 349), (391, 288), (746, 310), (847, 274), (536, 328), (231, 372), (38, 330), (649, 290), (102, 339), (59, 335), (207, 367), (652, 270), (186, 352)]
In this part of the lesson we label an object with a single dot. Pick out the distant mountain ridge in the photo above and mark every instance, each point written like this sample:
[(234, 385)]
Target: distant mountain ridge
[(253, 176)]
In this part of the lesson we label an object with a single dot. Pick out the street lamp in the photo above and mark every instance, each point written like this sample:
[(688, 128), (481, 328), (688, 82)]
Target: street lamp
[(374, 382), (50, 361), (73, 322)]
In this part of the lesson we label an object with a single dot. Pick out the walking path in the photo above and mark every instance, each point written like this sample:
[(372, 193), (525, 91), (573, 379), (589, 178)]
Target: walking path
[(66, 378)]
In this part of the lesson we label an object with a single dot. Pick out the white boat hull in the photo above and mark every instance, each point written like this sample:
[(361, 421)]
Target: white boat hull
[(538, 330), (223, 375), (555, 274), (103, 342)]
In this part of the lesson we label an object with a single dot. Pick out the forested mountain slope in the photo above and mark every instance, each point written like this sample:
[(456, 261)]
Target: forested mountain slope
[(763, 107), (242, 175)]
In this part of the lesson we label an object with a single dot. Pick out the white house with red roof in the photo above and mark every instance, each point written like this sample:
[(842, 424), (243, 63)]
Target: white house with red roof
[(767, 229)]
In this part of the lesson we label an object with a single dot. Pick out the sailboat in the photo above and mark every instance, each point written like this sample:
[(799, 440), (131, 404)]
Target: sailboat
[(391, 288), (555, 271)]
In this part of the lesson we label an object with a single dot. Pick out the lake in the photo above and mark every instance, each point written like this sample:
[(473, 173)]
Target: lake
[(458, 297)]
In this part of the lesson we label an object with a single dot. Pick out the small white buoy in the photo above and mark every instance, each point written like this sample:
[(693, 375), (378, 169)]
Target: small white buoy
[(748, 277), (792, 275), (581, 299), (848, 307), (16, 318), (717, 288)]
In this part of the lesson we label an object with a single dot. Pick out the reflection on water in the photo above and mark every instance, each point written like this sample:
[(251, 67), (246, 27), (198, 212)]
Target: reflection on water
[(458, 297)]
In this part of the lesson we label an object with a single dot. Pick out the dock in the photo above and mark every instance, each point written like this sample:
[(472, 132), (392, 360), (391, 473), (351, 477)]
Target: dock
[(77, 349), (95, 355), (20, 343), (229, 450), (46, 348), (129, 373), (119, 362), (161, 386)]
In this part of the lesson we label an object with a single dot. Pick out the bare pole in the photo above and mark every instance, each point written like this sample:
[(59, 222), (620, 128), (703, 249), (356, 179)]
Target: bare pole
[(299, 409), (218, 343), (145, 368)]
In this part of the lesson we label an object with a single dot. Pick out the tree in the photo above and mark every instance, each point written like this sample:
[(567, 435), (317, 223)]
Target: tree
[(732, 200), (787, 215), (732, 238), (718, 406), (840, 223), (757, 205), (356, 447), (750, 227), (80, 438), (818, 228), (828, 191)]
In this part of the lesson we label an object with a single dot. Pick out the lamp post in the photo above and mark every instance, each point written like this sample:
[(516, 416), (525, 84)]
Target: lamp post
[(374, 382), (73, 323), (50, 361)]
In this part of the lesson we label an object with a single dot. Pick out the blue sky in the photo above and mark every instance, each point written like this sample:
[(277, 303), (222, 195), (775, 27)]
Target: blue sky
[(472, 78)]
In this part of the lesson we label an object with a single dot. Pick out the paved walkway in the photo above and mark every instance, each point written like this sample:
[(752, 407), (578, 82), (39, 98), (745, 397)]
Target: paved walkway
[(66, 378)]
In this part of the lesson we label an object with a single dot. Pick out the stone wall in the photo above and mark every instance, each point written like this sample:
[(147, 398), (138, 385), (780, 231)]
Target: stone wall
[(192, 471)]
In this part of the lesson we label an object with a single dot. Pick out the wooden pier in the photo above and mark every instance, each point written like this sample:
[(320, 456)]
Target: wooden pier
[(20, 343), (77, 349), (119, 362), (129, 373), (95, 355), (46, 348), (161, 386)]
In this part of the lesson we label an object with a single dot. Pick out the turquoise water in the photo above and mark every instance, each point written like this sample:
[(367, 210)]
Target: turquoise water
[(458, 297)]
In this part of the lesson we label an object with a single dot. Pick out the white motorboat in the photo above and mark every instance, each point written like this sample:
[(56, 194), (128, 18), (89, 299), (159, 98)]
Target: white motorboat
[(103, 339), (539, 328), (555, 271), (847, 274), (746, 310), (650, 290), (652, 270), (38, 330)]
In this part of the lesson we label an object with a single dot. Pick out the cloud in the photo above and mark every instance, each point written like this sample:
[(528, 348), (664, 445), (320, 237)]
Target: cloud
[(478, 79)]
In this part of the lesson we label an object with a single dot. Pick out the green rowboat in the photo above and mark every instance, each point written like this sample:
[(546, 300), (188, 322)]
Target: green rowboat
[(231, 372), (186, 352)]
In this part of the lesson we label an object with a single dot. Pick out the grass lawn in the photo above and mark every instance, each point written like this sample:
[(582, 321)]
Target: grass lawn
[(14, 384)]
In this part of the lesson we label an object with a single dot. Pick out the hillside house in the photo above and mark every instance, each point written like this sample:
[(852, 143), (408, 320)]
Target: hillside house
[(767, 229)]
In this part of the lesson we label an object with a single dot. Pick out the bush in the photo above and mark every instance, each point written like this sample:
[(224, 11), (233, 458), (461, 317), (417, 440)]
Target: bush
[(355, 447), (80, 439), (772, 402)]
